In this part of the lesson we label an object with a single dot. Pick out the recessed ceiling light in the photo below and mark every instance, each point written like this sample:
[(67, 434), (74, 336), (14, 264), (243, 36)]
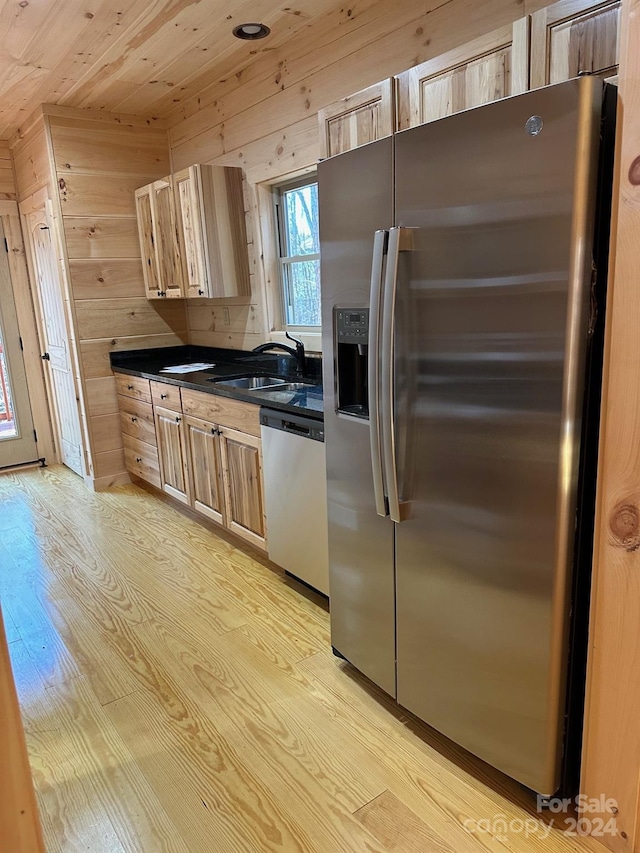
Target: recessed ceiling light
[(251, 31)]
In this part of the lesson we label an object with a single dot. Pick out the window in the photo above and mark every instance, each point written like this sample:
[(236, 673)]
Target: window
[(299, 244)]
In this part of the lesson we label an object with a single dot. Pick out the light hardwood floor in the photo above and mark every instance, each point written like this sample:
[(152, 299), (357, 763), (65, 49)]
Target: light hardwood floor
[(179, 695)]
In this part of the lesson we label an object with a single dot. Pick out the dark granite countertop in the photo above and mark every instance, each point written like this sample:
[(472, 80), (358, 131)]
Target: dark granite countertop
[(148, 363)]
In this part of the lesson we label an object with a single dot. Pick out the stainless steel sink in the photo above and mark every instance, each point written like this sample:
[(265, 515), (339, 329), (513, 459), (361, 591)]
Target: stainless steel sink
[(252, 383), (294, 386)]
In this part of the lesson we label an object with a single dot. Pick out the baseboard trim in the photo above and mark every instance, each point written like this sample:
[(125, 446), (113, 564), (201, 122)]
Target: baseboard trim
[(103, 484)]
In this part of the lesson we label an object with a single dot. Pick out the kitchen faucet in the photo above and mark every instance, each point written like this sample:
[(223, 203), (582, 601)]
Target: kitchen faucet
[(297, 353)]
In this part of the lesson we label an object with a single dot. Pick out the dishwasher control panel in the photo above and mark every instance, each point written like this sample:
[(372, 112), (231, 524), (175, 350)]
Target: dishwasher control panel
[(293, 424)]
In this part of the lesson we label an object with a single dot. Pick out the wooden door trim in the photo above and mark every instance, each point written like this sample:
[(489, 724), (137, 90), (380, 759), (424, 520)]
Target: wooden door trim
[(611, 744), (19, 821), (22, 285)]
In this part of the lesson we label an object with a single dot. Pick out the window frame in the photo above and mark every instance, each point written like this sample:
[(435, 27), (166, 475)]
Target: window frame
[(283, 259)]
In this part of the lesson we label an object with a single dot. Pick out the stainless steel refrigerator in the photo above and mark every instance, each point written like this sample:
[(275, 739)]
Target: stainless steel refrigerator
[(458, 291)]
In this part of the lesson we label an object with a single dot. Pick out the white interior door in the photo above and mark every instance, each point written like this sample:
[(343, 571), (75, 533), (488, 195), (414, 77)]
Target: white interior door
[(17, 438), (57, 355)]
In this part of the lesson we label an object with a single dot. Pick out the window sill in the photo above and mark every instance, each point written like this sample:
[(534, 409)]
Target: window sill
[(312, 340)]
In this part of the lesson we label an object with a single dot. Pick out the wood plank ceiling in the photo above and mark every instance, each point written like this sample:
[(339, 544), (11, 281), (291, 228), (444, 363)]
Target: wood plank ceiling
[(137, 56)]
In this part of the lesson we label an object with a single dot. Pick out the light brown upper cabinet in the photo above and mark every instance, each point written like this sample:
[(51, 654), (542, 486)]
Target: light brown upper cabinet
[(490, 67), (364, 117), (147, 241), (573, 37), (159, 244), (211, 224)]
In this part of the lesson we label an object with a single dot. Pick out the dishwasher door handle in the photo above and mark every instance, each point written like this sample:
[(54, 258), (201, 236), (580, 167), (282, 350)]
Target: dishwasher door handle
[(298, 429)]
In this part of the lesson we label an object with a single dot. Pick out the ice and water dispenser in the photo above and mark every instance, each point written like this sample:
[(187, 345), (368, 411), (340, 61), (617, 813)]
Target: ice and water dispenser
[(352, 334)]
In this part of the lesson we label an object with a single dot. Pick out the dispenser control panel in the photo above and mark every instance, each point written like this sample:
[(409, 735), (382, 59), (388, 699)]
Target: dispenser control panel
[(352, 325)]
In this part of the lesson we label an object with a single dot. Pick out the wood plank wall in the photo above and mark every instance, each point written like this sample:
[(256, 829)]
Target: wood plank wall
[(7, 183), (99, 161), (31, 157), (92, 162), (263, 116)]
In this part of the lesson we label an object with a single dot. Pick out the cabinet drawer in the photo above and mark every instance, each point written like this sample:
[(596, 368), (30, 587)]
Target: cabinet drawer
[(141, 460), (167, 396), (133, 386), (136, 419), (235, 414)]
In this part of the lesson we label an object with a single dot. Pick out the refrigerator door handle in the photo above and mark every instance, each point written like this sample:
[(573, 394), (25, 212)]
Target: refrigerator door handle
[(377, 270), (398, 237)]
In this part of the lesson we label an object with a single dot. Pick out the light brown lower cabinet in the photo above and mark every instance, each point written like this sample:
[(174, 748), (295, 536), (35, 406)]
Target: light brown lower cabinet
[(203, 450), (226, 478), (138, 430), (242, 478), (172, 454), (203, 443)]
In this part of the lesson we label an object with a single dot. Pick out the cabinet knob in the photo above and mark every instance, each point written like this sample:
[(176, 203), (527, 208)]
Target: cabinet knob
[(133, 420), (159, 293), (138, 458), (201, 293), (129, 387), (178, 420), (163, 396)]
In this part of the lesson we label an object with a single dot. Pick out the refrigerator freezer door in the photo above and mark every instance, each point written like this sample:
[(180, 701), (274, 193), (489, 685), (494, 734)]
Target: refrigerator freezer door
[(355, 197), (491, 331)]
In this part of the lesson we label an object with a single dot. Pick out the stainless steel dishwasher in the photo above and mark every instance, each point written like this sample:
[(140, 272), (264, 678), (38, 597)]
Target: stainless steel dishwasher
[(295, 486)]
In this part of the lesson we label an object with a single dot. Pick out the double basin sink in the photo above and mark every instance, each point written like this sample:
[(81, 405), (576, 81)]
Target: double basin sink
[(261, 383)]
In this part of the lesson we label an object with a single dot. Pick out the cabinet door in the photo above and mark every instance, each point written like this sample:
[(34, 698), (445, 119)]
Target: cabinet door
[(147, 244), (203, 447), (572, 37), (483, 70), (242, 478), (360, 118), (166, 239), (190, 230), (172, 454)]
